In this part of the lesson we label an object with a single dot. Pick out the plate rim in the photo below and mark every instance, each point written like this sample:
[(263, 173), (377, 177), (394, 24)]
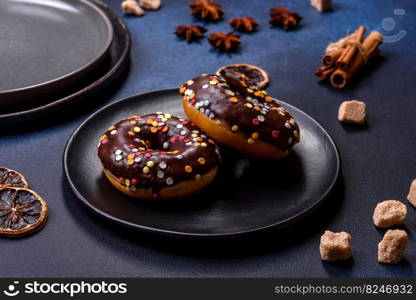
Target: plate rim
[(172, 233), (103, 52), (104, 77)]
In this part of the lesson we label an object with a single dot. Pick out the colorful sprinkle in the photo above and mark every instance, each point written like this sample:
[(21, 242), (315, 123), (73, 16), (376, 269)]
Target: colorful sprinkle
[(250, 141), (202, 160), (234, 128), (198, 177), (146, 170), (119, 157), (160, 174), (188, 169), (256, 121), (254, 135), (296, 133), (150, 164), (275, 133), (169, 181), (162, 165), (234, 99)]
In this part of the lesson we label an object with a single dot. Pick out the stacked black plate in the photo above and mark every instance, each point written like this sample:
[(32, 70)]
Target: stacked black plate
[(55, 53)]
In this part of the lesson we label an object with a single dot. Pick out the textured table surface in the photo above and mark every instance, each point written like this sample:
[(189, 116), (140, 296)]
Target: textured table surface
[(378, 161)]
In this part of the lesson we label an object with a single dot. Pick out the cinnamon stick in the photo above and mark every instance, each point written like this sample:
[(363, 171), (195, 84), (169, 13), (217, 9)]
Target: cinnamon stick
[(340, 77), (325, 72), (330, 58), (351, 50)]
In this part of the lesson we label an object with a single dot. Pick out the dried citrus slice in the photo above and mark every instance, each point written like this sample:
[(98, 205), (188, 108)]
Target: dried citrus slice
[(253, 76), (22, 212), (12, 178)]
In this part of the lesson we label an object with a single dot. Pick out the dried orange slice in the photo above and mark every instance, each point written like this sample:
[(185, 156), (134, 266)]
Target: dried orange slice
[(22, 212), (11, 178), (253, 76)]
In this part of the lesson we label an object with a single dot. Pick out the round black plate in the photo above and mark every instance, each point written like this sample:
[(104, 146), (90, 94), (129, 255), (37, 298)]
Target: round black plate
[(109, 70), (48, 46), (248, 195)]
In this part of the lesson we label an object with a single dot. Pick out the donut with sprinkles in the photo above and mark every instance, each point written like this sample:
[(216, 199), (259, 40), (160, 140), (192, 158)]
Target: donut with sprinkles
[(158, 156), (242, 117)]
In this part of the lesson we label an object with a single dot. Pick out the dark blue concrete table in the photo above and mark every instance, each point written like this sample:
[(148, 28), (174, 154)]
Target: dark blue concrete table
[(378, 160)]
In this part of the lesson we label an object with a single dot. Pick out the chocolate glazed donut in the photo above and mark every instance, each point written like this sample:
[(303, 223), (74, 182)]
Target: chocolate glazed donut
[(240, 117), (158, 156)]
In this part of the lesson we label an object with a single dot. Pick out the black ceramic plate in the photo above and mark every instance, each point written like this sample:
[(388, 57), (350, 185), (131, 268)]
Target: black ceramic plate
[(109, 70), (48, 45), (247, 195)]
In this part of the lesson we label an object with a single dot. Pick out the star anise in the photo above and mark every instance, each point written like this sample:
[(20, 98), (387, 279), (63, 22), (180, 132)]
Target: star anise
[(281, 16), (190, 32), (245, 24), (206, 10), (224, 42)]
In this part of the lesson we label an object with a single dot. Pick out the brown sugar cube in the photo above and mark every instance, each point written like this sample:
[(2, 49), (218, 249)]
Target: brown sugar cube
[(389, 213), (322, 5), (335, 246), (150, 4), (392, 247), (352, 112), (131, 7), (412, 193)]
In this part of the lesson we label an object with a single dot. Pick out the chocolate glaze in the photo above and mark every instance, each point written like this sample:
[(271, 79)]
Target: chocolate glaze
[(241, 73), (250, 110), (172, 149)]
